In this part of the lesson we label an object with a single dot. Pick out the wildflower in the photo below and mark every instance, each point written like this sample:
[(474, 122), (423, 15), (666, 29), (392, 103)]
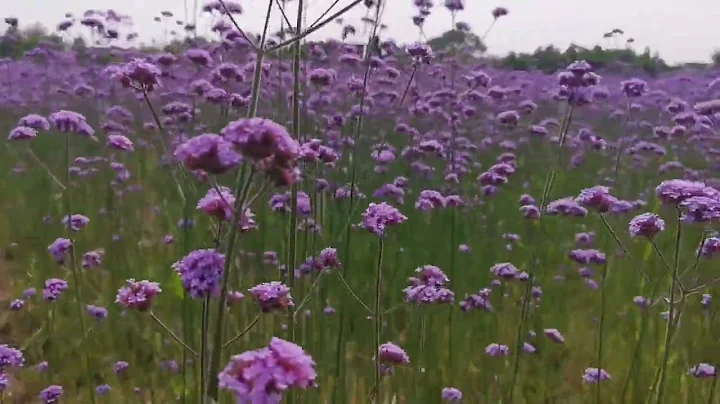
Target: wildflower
[(51, 394), (103, 389), (480, 300), (566, 207), (138, 294), (634, 87), (200, 272), (706, 300), (29, 292), (498, 12), (451, 394), (76, 221), (35, 121), (595, 375), (272, 296), (140, 75), (504, 270), (263, 375), (391, 354), (59, 248), (71, 122), (98, 312), (218, 202), (497, 350), (328, 259), (710, 247), (529, 348), (262, 139), (22, 133), (673, 192), (10, 357), (17, 304), (589, 256), (120, 142), (54, 288), (597, 197), (646, 225), (703, 371), (92, 259), (554, 335), (120, 367), (701, 209), (208, 152), (379, 216)]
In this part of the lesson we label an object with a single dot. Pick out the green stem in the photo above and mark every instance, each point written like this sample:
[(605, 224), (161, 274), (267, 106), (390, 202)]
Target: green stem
[(378, 321), (243, 332), (204, 348), (77, 277), (600, 331), (173, 335), (671, 313)]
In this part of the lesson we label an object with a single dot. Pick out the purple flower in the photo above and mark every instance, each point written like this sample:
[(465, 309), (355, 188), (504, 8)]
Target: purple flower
[(480, 300), (706, 300), (646, 225), (120, 142), (200, 272), (597, 197), (10, 357), (35, 121), (102, 389), (71, 122), (200, 57), (93, 259), (59, 248), (138, 294), (4, 382), (391, 354), (218, 202), (504, 270), (554, 335), (263, 375), (262, 139), (565, 207), (98, 312), (594, 375), (590, 256), (272, 296), (328, 259), (703, 371), (208, 152), (675, 191), (29, 292), (379, 216), (634, 87), (22, 133), (54, 288), (451, 394), (642, 301), (120, 367), (710, 247), (17, 304), (701, 209), (497, 350), (529, 348), (76, 221), (140, 75), (51, 394)]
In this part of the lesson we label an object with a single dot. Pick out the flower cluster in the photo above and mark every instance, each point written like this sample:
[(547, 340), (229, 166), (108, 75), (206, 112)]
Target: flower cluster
[(138, 295), (201, 272), (272, 296), (428, 286), (263, 375)]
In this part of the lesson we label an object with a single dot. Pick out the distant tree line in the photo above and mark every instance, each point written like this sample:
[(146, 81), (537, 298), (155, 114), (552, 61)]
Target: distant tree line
[(15, 42)]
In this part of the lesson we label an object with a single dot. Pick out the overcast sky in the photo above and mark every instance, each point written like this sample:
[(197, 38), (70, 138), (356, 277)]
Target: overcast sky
[(680, 30)]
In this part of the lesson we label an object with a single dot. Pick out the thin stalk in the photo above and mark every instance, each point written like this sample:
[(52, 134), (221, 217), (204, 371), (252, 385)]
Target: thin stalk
[(349, 289), (378, 321), (241, 188), (339, 342), (600, 330), (668, 267), (204, 348), (308, 295), (315, 27), (409, 83), (77, 278), (243, 332), (671, 313), (173, 335), (713, 388)]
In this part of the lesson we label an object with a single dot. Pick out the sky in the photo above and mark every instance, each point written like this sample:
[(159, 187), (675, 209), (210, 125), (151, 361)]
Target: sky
[(681, 31)]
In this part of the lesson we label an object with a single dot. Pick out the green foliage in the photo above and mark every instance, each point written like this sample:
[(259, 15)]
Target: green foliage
[(551, 59), (457, 39)]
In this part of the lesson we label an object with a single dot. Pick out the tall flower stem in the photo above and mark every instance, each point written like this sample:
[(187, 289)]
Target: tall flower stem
[(669, 328), (173, 335), (339, 384), (603, 284), (292, 224), (378, 320), (77, 277), (204, 348)]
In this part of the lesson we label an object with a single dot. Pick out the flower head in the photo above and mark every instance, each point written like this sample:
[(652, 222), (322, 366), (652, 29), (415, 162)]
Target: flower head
[(51, 394), (138, 295), (200, 272), (76, 221), (594, 375), (10, 357), (54, 288), (646, 225), (497, 350), (209, 152), (272, 296), (378, 216), (391, 354), (218, 202), (59, 249)]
